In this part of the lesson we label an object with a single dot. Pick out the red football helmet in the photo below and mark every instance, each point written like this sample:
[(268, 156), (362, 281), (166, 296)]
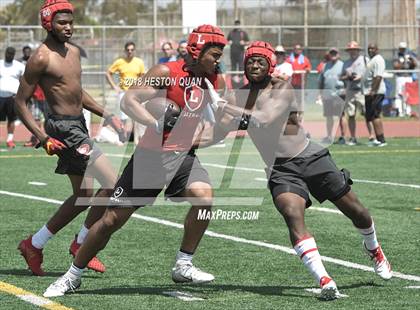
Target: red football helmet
[(202, 35), (50, 8), (264, 49)]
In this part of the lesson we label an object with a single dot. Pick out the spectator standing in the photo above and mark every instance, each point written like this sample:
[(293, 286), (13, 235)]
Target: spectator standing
[(237, 39), (373, 87), (168, 52), (299, 63), (283, 69), (332, 95), (182, 49), (405, 60), (129, 69), (353, 70), (11, 71), (26, 54)]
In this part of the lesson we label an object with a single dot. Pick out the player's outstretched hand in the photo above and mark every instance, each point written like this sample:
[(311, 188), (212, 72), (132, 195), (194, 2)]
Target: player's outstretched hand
[(116, 124), (216, 100), (52, 146)]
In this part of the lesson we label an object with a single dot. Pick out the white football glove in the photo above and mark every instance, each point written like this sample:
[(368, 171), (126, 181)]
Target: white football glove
[(217, 101)]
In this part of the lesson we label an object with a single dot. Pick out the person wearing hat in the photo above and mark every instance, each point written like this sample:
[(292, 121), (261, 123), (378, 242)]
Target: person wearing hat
[(353, 69), (332, 94), (283, 69), (405, 60)]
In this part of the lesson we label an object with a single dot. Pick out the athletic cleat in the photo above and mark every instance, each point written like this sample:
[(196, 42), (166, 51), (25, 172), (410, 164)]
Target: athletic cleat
[(327, 140), (62, 286), (32, 256), (341, 140), (10, 144), (329, 289), (352, 142), (382, 266), (185, 272), (95, 264), (373, 142)]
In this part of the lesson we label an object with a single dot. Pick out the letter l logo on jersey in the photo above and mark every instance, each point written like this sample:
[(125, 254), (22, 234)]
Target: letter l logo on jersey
[(196, 95)]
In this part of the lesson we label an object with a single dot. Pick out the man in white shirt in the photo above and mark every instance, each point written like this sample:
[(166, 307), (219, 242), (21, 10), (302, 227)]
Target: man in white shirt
[(10, 72), (373, 87), (283, 69)]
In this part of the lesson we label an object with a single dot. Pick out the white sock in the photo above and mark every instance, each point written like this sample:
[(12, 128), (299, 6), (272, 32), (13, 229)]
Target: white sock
[(74, 273), (184, 256), (369, 236), (41, 237), (308, 252), (81, 236), (9, 137)]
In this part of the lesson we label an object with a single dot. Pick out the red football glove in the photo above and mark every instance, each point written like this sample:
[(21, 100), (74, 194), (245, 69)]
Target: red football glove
[(116, 125), (52, 146)]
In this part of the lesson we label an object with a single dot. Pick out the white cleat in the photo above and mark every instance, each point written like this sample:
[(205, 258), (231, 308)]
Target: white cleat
[(62, 286), (329, 289), (382, 266), (185, 272)]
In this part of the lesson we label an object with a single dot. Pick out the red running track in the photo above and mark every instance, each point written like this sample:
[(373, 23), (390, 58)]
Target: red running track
[(393, 128)]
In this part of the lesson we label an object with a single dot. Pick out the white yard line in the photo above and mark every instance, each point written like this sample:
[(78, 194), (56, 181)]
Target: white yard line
[(416, 186), (232, 238), (30, 297), (37, 183)]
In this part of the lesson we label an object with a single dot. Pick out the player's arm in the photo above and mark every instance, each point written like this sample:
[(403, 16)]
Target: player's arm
[(271, 104), (110, 119), (208, 134), (138, 94), (35, 68), (91, 105), (110, 79)]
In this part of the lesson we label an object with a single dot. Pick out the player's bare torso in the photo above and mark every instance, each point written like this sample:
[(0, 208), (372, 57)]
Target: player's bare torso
[(61, 79), (284, 137)]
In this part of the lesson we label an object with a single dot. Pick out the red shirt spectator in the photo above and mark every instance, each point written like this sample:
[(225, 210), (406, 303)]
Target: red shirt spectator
[(299, 63)]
